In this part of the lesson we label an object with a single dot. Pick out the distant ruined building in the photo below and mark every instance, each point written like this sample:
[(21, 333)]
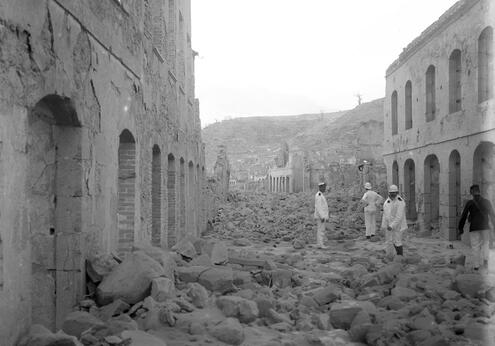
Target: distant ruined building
[(289, 172), (440, 118), (221, 172), (100, 145)]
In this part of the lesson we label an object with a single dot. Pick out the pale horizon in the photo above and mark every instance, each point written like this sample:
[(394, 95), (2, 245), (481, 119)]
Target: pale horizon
[(276, 57)]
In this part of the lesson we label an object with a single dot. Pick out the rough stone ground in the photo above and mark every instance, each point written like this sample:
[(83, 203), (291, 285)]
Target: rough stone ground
[(254, 280)]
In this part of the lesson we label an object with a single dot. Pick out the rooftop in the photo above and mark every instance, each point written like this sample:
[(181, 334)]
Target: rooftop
[(451, 15)]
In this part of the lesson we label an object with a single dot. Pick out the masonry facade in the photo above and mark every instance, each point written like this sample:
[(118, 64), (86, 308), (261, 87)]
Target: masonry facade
[(440, 118), (100, 144)]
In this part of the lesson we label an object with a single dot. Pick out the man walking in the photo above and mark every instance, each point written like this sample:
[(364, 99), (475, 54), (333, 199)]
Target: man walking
[(478, 211), (321, 215), (370, 200), (394, 219)]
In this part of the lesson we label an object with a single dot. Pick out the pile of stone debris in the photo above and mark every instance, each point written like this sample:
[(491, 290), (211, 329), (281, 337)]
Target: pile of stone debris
[(211, 292), (261, 216)]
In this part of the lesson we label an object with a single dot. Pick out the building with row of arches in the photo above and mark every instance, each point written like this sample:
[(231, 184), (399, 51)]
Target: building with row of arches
[(100, 145), (439, 116)]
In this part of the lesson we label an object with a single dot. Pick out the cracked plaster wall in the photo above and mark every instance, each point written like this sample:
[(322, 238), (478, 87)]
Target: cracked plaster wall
[(94, 53)]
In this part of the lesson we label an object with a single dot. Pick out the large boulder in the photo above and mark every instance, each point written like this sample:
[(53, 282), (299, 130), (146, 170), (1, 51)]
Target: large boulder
[(198, 295), (217, 279), (219, 253), (230, 331), (115, 308), (130, 281), (165, 258), (99, 266), (186, 249), (162, 289), (388, 273), (470, 285), (327, 294), (78, 321), (40, 336), (342, 314), (233, 306), (190, 274), (140, 338)]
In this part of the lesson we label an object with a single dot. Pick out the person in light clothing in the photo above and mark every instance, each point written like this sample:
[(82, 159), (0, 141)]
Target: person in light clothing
[(394, 219), (478, 211), (321, 215), (370, 200)]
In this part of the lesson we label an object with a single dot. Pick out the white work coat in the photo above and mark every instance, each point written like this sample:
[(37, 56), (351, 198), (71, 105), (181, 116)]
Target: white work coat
[(394, 214), (321, 206), (371, 198)]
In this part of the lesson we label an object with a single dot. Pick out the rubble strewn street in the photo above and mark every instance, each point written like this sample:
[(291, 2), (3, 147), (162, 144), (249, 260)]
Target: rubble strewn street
[(257, 279)]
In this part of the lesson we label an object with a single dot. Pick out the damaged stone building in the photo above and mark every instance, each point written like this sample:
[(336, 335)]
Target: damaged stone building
[(100, 144), (439, 116)]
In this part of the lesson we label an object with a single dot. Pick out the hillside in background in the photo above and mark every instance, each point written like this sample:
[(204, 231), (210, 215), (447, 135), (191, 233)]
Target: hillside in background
[(253, 142)]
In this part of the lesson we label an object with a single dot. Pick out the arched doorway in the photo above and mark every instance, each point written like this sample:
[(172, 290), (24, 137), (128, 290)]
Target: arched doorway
[(127, 190), (182, 198), (431, 191), (156, 197), (191, 210), (455, 205), (395, 173), (55, 194), (171, 202), (410, 189), (484, 169)]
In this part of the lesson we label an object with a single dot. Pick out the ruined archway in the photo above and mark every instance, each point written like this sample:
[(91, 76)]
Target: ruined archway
[(54, 194), (410, 189), (191, 210), (431, 191), (484, 169), (395, 173), (171, 210), (182, 198), (126, 191), (455, 205), (198, 200), (156, 196)]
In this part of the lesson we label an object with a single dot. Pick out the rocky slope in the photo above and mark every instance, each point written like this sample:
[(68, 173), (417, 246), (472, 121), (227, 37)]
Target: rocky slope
[(252, 142)]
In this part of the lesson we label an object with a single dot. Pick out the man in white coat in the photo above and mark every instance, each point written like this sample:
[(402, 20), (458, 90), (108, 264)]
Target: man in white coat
[(371, 200), (321, 215), (394, 219)]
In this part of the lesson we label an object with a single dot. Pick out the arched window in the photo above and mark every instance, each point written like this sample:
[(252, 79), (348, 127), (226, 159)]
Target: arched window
[(171, 201), (408, 105), (395, 125), (455, 86), (156, 197), (395, 173), (430, 93), (485, 65)]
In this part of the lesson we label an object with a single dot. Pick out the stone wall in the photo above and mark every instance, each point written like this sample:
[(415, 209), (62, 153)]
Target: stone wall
[(88, 89), (434, 162)]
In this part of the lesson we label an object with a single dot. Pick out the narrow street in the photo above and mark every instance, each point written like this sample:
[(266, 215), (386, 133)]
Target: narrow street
[(256, 278)]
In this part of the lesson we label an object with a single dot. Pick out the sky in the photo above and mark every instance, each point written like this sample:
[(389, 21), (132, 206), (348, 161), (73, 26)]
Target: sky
[(284, 57)]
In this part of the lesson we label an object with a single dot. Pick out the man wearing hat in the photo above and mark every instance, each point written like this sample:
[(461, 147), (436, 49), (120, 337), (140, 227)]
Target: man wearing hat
[(321, 215), (370, 200), (394, 218)]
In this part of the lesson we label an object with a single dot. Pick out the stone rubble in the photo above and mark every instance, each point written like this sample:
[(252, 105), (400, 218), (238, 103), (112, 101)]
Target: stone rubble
[(266, 291)]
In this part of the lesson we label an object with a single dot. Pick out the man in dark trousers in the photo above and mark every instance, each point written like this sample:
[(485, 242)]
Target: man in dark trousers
[(478, 211)]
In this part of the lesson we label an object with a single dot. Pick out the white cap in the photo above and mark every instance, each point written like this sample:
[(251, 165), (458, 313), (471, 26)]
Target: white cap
[(321, 184), (393, 188), (367, 186)]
